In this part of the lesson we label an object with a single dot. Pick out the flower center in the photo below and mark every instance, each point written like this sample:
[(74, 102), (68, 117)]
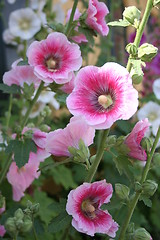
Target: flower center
[(24, 25), (152, 116), (88, 208), (52, 64), (105, 101)]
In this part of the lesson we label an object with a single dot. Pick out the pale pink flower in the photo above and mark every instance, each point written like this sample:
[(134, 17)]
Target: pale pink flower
[(2, 231), (22, 178), (21, 74), (103, 95), (96, 13), (84, 204), (134, 139), (80, 37), (59, 140), (55, 58)]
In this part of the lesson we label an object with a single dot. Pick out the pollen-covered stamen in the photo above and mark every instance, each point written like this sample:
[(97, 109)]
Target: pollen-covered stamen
[(52, 64), (105, 101), (88, 208)]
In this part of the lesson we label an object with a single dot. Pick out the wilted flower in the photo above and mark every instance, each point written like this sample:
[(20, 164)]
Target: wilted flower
[(59, 140), (84, 204), (134, 139), (24, 23), (55, 58), (96, 14), (103, 95)]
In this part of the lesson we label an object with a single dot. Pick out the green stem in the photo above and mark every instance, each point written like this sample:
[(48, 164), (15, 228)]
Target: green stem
[(9, 110), (136, 196), (140, 29), (32, 104), (71, 17), (56, 164), (98, 157), (34, 231), (5, 169)]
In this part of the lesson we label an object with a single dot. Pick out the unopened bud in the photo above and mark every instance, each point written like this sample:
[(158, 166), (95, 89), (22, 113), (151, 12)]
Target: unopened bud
[(19, 214), (27, 225), (10, 225), (146, 144), (111, 140), (122, 191), (142, 234), (149, 187), (131, 49), (146, 52), (35, 208), (131, 13)]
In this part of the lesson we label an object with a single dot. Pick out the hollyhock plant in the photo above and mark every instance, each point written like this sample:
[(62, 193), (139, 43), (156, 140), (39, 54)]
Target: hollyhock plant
[(55, 58), (80, 37), (134, 139), (58, 141), (2, 230), (24, 23), (96, 14), (21, 74), (84, 204), (103, 95)]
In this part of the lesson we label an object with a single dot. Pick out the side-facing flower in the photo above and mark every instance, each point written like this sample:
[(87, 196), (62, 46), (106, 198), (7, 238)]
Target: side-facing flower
[(24, 23), (96, 13), (84, 204), (21, 74), (22, 178), (80, 37), (59, 140), (55, 58), (134, 139), (156, 88), (103, 95)]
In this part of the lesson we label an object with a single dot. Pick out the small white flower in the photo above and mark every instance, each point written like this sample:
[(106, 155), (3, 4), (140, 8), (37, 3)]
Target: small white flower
[(24, 23), (150, 110), (8, 38), (156, 88), (37, 4), (47, 96), (11, 1), (60, 15)]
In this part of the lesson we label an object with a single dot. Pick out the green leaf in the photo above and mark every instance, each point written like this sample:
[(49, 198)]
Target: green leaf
[(61, 97), (28, 90), (21, 150), (146, 200), (122, 165), (60, 222), (120, 23), (156, 2), (136, 71), (23, 63), (58, 207), (89, 33), (13, 89)]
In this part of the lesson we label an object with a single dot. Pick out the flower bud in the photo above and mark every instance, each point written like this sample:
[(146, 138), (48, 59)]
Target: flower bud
[(111, 140), (142, 234), (35, 208), (146, 144), (130, 228), (131, 14), (131, 49), (27, 225), (10, 225), (122, 191), (19, 224), (19, 214), (146, 52), (149, 187)]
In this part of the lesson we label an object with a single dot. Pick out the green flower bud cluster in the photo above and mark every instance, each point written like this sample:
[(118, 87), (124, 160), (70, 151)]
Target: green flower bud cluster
[(46, 112), (146, 52), (122, 191), (20, 223), (149, 188), (31, 209), (80, 155), (132, 49), (141, 234)]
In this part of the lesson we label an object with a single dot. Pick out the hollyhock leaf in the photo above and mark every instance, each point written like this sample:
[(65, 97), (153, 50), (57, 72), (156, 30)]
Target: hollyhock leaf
[(61, 97), (156, 2), (14, 89), (122, 165), (146, 200), (88, 33), (58, 207), (60, 222), (120, 23), (21, 150), (58, 27), (28, 90)]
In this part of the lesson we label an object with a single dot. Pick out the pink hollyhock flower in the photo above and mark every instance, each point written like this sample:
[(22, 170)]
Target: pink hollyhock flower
[(2, 231), (96, 17), (84, 205), (59, 140), (68, 87), (22, 178), (3, 208), (134, 139), (21, 74), (80, 37), (103, 95), (55, 58)]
